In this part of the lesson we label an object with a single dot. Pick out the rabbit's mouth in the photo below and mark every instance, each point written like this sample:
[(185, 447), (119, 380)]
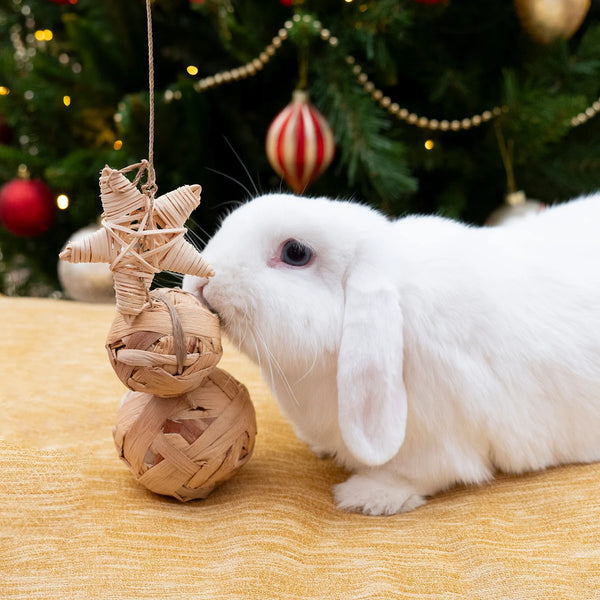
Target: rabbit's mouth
[(200, 295), (198, 292)]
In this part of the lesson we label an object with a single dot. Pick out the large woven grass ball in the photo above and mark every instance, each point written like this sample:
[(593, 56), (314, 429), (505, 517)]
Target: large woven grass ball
[(169, 348), (185, 446)]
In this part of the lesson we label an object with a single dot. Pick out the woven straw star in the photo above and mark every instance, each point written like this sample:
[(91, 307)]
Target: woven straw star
[(140, 237)]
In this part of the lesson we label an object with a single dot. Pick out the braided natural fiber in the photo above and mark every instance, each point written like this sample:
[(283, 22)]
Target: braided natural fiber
[(140, 237), (186, 445), (143, 351), (185, 426)]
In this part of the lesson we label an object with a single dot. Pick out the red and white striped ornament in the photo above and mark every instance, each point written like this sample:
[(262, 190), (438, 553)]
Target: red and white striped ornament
[(299, 143)]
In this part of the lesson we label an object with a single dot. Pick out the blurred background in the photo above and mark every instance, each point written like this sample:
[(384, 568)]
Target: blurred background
[(452, 107)]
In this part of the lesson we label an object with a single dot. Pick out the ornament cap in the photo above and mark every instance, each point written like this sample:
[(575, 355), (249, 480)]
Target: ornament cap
[(515, 198), (300, 95), (23, 172)]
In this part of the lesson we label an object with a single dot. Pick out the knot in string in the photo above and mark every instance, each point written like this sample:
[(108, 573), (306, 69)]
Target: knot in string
[(149, 188)]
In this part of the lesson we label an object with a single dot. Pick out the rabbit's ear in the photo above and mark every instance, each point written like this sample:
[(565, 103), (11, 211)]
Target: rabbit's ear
[(371, 395)]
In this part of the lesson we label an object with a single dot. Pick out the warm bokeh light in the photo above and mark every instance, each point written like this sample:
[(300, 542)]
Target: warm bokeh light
[(62, 201), (429, 145), (192, 70), (43, 35), (67, 100), (118, 144)]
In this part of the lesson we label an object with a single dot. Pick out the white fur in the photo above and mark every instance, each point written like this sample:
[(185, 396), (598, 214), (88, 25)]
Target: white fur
[(419, 352)]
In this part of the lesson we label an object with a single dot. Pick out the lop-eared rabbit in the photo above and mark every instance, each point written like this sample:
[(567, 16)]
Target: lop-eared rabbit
[(420, 352)]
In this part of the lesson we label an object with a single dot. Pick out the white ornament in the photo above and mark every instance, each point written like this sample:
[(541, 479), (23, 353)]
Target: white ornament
[(86, 282)]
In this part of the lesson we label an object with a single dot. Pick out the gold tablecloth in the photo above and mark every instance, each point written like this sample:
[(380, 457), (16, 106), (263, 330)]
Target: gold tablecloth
[(75, 524)]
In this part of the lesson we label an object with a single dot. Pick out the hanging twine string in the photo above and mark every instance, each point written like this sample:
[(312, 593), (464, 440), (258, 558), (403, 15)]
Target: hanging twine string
[(150, 188), (147, 166)]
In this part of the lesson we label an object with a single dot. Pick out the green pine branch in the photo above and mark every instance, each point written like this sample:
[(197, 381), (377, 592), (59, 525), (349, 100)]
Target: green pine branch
[(370, 155)]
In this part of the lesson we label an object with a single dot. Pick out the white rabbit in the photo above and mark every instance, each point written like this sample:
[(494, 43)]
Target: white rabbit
[(419, 352)]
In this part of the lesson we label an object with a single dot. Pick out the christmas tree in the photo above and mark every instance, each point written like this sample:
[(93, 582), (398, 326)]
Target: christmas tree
[(435, 106)]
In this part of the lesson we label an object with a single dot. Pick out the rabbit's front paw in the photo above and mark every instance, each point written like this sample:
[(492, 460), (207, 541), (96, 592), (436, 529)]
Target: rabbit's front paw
[(374, 495)]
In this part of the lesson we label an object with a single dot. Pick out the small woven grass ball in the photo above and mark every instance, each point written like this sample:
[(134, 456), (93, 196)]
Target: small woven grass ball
[(169, 348), (185, 446)]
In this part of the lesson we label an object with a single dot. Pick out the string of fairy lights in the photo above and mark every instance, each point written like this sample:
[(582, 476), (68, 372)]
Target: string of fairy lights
[(28, 40)]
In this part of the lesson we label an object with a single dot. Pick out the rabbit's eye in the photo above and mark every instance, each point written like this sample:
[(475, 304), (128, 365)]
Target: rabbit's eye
[(295, 253)]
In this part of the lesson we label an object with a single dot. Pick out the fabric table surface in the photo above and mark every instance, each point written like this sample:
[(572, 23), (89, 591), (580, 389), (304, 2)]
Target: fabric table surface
[(75, 524)]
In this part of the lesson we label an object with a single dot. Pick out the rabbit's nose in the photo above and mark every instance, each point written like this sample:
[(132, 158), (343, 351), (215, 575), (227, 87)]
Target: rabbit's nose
[(200, 288)]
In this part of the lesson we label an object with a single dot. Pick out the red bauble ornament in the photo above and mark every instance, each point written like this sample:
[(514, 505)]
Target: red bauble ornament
[(26, 207), (299, 143)]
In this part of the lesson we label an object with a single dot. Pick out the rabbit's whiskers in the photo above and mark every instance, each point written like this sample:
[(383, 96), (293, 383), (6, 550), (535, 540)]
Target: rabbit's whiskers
[(309, 370), (272, 361), (168, 279), (195, 238), (241, 337)]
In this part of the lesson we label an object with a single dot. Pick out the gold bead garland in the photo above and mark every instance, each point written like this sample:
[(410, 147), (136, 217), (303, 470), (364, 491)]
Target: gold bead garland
[(413, 119), (587, 114), (252, 67)]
